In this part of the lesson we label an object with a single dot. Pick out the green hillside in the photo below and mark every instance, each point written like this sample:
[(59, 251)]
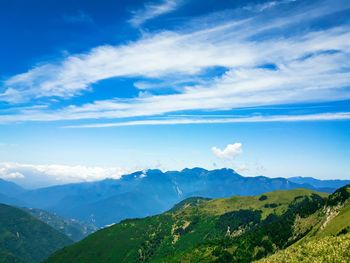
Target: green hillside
[(24, 238), (236, 229)]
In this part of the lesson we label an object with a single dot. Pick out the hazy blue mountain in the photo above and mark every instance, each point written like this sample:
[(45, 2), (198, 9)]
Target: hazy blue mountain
[(8, 193), (146, 193), (4, 199), (10, 189), (319, 183)]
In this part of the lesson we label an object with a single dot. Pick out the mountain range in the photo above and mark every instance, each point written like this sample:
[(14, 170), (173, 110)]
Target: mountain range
[(146, 193)]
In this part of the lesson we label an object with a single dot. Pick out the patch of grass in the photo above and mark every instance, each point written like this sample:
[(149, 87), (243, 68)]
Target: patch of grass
[(326, 249)]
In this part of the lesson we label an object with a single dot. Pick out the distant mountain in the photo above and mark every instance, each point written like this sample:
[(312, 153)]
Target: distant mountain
[(23, 238), (319, 183), (8, 193), (72, 228), (146, 193), (237, 229), (10, 189)]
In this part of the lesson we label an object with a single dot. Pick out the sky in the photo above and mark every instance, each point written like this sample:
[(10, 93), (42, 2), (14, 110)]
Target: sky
[(97, 89)]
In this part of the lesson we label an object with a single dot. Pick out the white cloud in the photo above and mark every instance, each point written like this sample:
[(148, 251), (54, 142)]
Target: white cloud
[(231, 151), (12, 175), (31, 175), (152, 10)]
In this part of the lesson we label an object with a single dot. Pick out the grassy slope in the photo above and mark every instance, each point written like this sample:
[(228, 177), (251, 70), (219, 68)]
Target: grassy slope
[(336, 224), (179, 232), (282, 197), (23, 238), (329, 240), (326, 244), (325, 249), (337, 214)]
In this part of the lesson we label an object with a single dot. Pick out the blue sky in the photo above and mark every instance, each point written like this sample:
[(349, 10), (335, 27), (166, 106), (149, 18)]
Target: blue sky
[(96, 89)]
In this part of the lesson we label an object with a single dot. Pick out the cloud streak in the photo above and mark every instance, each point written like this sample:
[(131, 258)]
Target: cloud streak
[(152, 10), (338, 116)]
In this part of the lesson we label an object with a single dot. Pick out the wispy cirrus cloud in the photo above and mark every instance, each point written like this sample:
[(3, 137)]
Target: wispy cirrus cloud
[(297, 81), (154, 9), (333, 116), (306, 67), (227, 44), (266, 5)]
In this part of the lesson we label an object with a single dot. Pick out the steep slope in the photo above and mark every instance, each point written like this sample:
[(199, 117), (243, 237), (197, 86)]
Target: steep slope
[(146, 193), (329, 240), (73, 229), (24, 238), (202, 230), (336, 214)]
